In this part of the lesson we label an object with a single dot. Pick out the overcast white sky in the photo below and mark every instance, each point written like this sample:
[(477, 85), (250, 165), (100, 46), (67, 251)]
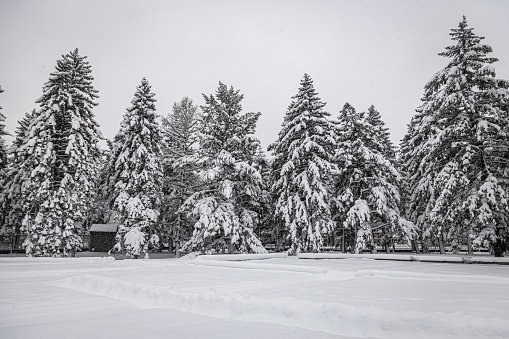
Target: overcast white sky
[(362, 52)]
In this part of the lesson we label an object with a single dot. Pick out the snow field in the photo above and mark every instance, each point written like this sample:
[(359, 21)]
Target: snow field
[(332, 318), (352, 298)]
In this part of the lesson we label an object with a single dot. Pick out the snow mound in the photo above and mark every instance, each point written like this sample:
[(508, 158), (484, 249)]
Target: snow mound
[(489, 260), (334, 318), (188, 256), (432, 276), (242, 257), (262, 266), (438, 258), (407, 257), (354, 256), (54, 259)]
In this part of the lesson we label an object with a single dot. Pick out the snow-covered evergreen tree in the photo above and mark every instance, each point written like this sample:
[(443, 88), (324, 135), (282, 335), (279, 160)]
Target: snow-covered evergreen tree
[(388, 150), (11, 200), (180, 131), (134, 169), (265, 226), (302, 170), (409, 161), (61, 159), (225, 204), (3, 164), (457, 149), (367, 194), (3, 148)]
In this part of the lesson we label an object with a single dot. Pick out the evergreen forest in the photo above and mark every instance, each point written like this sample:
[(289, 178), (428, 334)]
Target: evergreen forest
[(198, 179)]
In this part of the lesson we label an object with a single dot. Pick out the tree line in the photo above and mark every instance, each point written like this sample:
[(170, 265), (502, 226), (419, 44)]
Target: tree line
[(199, 178)]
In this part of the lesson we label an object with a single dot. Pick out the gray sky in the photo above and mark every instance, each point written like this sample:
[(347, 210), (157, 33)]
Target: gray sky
[(362, 52)]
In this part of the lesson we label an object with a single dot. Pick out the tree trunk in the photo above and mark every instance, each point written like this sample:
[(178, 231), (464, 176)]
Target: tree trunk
[(177, 249), (415, 246), (441, 243), (469, 245), (356, 250), (373, 246), (385, 235), (343, 240), (499, 247), (425, 247), (176, 236)]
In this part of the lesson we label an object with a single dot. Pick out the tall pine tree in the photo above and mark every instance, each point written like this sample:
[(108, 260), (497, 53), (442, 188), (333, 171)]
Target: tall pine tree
[(225, 204), (134, 169), (180, 131), (367, 195), (302, 170), (3, 148), (460, 165), (3, 179), (11, 200), (61, 159)]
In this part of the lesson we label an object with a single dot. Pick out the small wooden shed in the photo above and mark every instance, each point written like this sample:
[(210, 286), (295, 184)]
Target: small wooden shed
[(102, 237)]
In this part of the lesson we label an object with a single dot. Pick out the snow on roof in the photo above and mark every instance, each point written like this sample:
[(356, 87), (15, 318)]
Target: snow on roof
[(103, 228)]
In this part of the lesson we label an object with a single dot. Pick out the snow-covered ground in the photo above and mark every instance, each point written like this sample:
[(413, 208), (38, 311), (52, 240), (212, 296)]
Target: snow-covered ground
[(271, 298)]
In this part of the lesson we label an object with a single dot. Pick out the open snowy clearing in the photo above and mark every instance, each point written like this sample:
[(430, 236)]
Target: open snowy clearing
[(271, 298)]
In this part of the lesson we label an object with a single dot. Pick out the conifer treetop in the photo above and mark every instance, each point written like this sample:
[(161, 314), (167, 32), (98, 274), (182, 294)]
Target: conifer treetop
[(143, 97), (307, 100), (73, 77), (467, 42), (181, 124), (304, 123), (469, 69), (225, 127)]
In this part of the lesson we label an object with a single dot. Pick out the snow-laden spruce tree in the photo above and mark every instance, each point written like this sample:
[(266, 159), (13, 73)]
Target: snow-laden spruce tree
[(302, 170), (388, 150), (11, 200), (409, 161), (225, 203), (61, 159), (458, 149), (3, 179), (3, 148), (180, 132), (366, 189), (134, 172), (265, 227)]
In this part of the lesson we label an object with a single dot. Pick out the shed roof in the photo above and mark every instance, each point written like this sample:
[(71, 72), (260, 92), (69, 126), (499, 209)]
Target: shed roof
[(104, 228)]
